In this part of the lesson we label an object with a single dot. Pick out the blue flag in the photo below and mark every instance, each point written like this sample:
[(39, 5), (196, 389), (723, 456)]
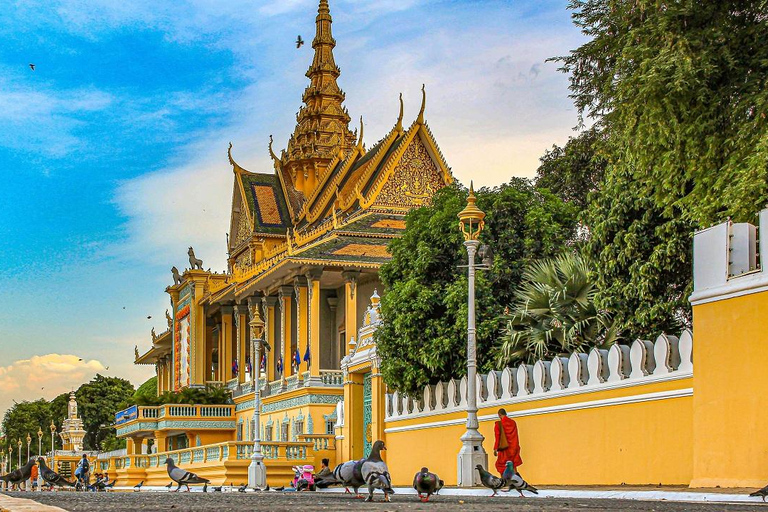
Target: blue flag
[(308, 357), (264, 362), (280, 365), (297, 358)]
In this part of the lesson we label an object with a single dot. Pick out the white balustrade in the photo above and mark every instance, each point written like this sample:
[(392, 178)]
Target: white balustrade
[(669, 357)]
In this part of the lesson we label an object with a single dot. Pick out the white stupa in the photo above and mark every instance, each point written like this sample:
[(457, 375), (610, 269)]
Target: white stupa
[(72, 431)]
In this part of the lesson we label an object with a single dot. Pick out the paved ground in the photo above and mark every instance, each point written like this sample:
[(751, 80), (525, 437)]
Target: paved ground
[(310, 502)]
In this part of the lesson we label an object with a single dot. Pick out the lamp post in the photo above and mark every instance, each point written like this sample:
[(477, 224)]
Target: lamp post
[(18, 443), (52, 428), (29, 442), (257, 471), (471, 453), (39, 454)]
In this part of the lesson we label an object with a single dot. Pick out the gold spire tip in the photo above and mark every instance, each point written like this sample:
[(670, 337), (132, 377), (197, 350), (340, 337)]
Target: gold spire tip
[(420, 119), (360, 138), (399, 126)]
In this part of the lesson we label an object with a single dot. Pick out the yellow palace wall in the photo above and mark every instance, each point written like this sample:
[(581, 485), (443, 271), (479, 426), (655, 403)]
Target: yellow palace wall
[(635, 443), (730, 410)]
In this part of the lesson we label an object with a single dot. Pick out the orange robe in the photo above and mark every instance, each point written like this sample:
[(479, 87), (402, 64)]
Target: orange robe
[(512, 452)]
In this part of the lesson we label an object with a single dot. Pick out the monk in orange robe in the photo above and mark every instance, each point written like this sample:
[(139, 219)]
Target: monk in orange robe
[(506, 446)]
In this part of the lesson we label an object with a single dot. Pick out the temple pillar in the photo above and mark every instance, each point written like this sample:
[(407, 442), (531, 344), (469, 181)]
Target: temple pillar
[(226, 356), (378, 401), (302, 324), (269, 322), (285, 325), (353, 417), (241, 321), (350, 305), (161, 441), (313, 282)]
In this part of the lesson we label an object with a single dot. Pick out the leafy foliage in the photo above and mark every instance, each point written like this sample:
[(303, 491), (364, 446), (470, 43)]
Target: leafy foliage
[(679, 89), (573, 171), (25, 418), (423, 337), (148, 389), (98, 401), (554, 313), (211, 395)]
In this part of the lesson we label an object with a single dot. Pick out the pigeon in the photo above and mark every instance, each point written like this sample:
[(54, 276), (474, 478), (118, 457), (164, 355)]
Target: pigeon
[(242, 488), (267, 488), (205, 487), (490, 481), (138, 486), (19, 475), (110, 485), (32, 67), (762, 492), (217, 489), (376, 473), (182, 477), (170, 484), (348, 474), (280, 488), (51, 477), (299, 42), (514, 479), (426, 484)]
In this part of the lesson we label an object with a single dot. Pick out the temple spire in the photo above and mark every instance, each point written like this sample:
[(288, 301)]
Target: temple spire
[(322, 129)]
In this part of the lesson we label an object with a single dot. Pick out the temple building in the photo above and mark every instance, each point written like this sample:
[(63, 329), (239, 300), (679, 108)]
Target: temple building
[(306, 241)]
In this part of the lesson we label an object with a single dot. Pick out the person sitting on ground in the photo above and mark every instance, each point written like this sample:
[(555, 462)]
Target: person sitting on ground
[(325, 471)]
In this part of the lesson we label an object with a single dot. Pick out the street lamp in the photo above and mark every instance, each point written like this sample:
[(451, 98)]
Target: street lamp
[(39, 454), (257, 471), (18, 443), (53, 449), (471, 223)]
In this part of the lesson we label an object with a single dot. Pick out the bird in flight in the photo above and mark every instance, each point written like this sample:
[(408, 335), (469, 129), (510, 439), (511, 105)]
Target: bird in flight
[(32, 67), (150, 316), (299, 42)]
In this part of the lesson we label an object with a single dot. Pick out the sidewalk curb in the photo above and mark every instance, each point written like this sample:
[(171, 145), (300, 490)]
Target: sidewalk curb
[(8, 504)]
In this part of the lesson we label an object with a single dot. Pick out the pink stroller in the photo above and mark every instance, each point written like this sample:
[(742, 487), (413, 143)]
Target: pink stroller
[(304, 479)]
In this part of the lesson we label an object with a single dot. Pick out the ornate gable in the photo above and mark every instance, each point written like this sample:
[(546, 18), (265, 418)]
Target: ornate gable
[(240, 227), (414, 181)]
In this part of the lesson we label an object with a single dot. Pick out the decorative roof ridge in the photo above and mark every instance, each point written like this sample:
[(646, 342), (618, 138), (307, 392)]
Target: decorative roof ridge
[(394, 159), (235, 166), (433, 142), (320, 187), (371, 165), (328, 188)]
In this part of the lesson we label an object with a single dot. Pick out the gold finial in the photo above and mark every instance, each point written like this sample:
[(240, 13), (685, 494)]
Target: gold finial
[(272, 153), (420, 119), (324, 8), (471, 221), (360, 139), (399, 126), (229, 154)]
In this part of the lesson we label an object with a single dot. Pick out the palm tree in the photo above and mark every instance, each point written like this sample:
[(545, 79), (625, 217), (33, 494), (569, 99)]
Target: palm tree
[(554, 313)]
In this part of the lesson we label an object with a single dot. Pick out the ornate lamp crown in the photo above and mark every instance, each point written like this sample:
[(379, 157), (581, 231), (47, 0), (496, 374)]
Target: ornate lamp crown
[(471, 217), (257, 324)]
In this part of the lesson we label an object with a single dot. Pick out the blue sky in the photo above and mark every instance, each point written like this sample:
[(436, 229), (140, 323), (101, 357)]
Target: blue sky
[(113, 150)]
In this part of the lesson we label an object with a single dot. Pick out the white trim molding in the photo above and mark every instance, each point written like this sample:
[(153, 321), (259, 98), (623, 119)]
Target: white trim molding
[(608, 402)]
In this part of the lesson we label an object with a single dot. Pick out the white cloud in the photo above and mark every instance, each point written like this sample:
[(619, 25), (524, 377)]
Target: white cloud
[(45, 376)]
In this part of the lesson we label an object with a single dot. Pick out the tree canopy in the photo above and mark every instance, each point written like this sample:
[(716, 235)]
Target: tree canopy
[(679, 90), (423, 337)]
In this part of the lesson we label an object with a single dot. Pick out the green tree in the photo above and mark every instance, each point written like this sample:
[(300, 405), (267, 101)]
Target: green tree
[(25, 418), (573, 171), (98, 401), (679, 89), (423, 337), (554, 313), (148, 389)]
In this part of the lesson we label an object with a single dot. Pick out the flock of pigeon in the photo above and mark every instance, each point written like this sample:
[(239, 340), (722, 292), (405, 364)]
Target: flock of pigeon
[(371, 472)]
